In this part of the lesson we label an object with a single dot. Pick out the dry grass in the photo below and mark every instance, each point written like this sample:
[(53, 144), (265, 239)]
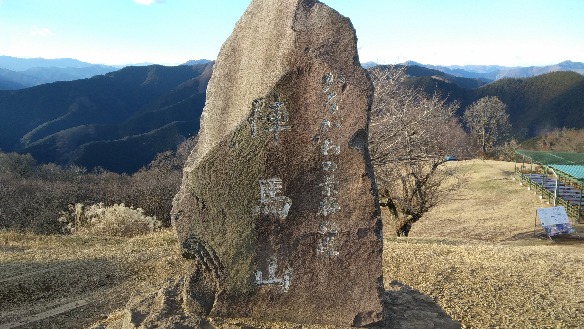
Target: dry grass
[(492, 206), (39, 273), (100, 220), (476, 257)]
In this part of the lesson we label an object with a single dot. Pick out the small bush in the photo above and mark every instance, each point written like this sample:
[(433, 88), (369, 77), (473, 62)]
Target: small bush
[(117, 220), (32, 195)]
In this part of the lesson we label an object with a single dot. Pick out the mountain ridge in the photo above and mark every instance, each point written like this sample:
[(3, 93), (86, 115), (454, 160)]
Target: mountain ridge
[(137, 111), (496, 72), (535, 104), (23, 64), (35, 76)]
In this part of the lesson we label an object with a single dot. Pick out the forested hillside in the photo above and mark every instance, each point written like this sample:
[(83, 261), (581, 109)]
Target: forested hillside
[(121, 120), (535, 105), (542, 103), (558, 140), (118, 121)]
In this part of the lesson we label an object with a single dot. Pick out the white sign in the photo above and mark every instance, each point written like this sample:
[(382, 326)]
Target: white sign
[(552, 216), (554, 221)]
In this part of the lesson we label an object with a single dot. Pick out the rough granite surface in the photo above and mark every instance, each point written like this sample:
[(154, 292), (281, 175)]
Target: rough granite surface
[(278, 205)]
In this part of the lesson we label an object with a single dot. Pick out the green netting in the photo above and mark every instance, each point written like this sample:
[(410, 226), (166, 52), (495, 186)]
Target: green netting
[(570, 165), (574, 171), (555, 158)]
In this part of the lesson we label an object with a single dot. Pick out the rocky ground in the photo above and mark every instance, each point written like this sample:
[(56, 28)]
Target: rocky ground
[(474, 262)]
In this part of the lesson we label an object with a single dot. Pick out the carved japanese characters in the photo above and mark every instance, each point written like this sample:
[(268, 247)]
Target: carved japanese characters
[(280, 190)]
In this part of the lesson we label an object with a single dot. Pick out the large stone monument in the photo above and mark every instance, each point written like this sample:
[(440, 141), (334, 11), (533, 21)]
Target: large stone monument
[(278, 204)]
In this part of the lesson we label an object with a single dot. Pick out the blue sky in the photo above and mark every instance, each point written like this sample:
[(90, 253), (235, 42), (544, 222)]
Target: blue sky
[(440, 32)]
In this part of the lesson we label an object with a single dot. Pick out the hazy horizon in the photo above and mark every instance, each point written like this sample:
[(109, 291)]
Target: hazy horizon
[(171, 32), (208, 59)]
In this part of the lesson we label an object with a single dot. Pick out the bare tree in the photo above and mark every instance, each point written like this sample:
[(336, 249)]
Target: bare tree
[(412, 136), (488, 122)]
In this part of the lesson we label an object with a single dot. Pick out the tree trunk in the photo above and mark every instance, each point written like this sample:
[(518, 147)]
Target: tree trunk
[(394, 220), (484, 143), (404, 230), (403, 227)]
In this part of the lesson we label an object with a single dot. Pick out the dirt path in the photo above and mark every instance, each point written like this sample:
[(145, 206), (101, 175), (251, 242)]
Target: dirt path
[(28, 320), (73, 281)]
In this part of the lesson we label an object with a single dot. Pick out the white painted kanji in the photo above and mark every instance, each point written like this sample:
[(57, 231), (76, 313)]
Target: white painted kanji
[(256, 114), (326, 244), (325, 125), (330, 96), (328, 206), (327, 81), (333, 108), (284, 281), (277, 119), (329, 166), (270, 188), (328, 148), (271, 200), (329, 185), (272, 118)]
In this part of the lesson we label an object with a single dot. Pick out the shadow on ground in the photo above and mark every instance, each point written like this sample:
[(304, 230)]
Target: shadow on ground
[(574, 239), (60, 294), (54, 294), (403, 308), (407, 308)]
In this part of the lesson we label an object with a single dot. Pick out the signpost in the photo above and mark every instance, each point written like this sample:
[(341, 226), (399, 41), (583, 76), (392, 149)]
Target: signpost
[(554, 221)]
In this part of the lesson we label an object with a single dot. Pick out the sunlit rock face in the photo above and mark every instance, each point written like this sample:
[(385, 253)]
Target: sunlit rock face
[(278, 204)]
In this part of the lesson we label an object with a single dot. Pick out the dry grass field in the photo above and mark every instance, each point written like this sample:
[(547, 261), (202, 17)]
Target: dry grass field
[(479, 260), (475, 258), (73, 281)]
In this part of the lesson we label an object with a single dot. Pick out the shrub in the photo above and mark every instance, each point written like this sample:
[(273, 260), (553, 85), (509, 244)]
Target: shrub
[(32, 195), (117, 220)]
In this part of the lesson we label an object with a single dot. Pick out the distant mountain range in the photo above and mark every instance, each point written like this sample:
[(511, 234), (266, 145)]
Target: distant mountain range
[(12, 80), (118, 121), (489, 73), (197, 62), (23, 64), (535, 105), (19, 73), (494, 72)]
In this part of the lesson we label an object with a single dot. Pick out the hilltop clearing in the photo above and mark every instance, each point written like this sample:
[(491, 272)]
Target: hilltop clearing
[(475, 260)]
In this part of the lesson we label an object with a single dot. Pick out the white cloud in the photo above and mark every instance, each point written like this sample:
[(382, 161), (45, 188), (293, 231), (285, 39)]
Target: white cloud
[(36, 31), (146, 2)]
